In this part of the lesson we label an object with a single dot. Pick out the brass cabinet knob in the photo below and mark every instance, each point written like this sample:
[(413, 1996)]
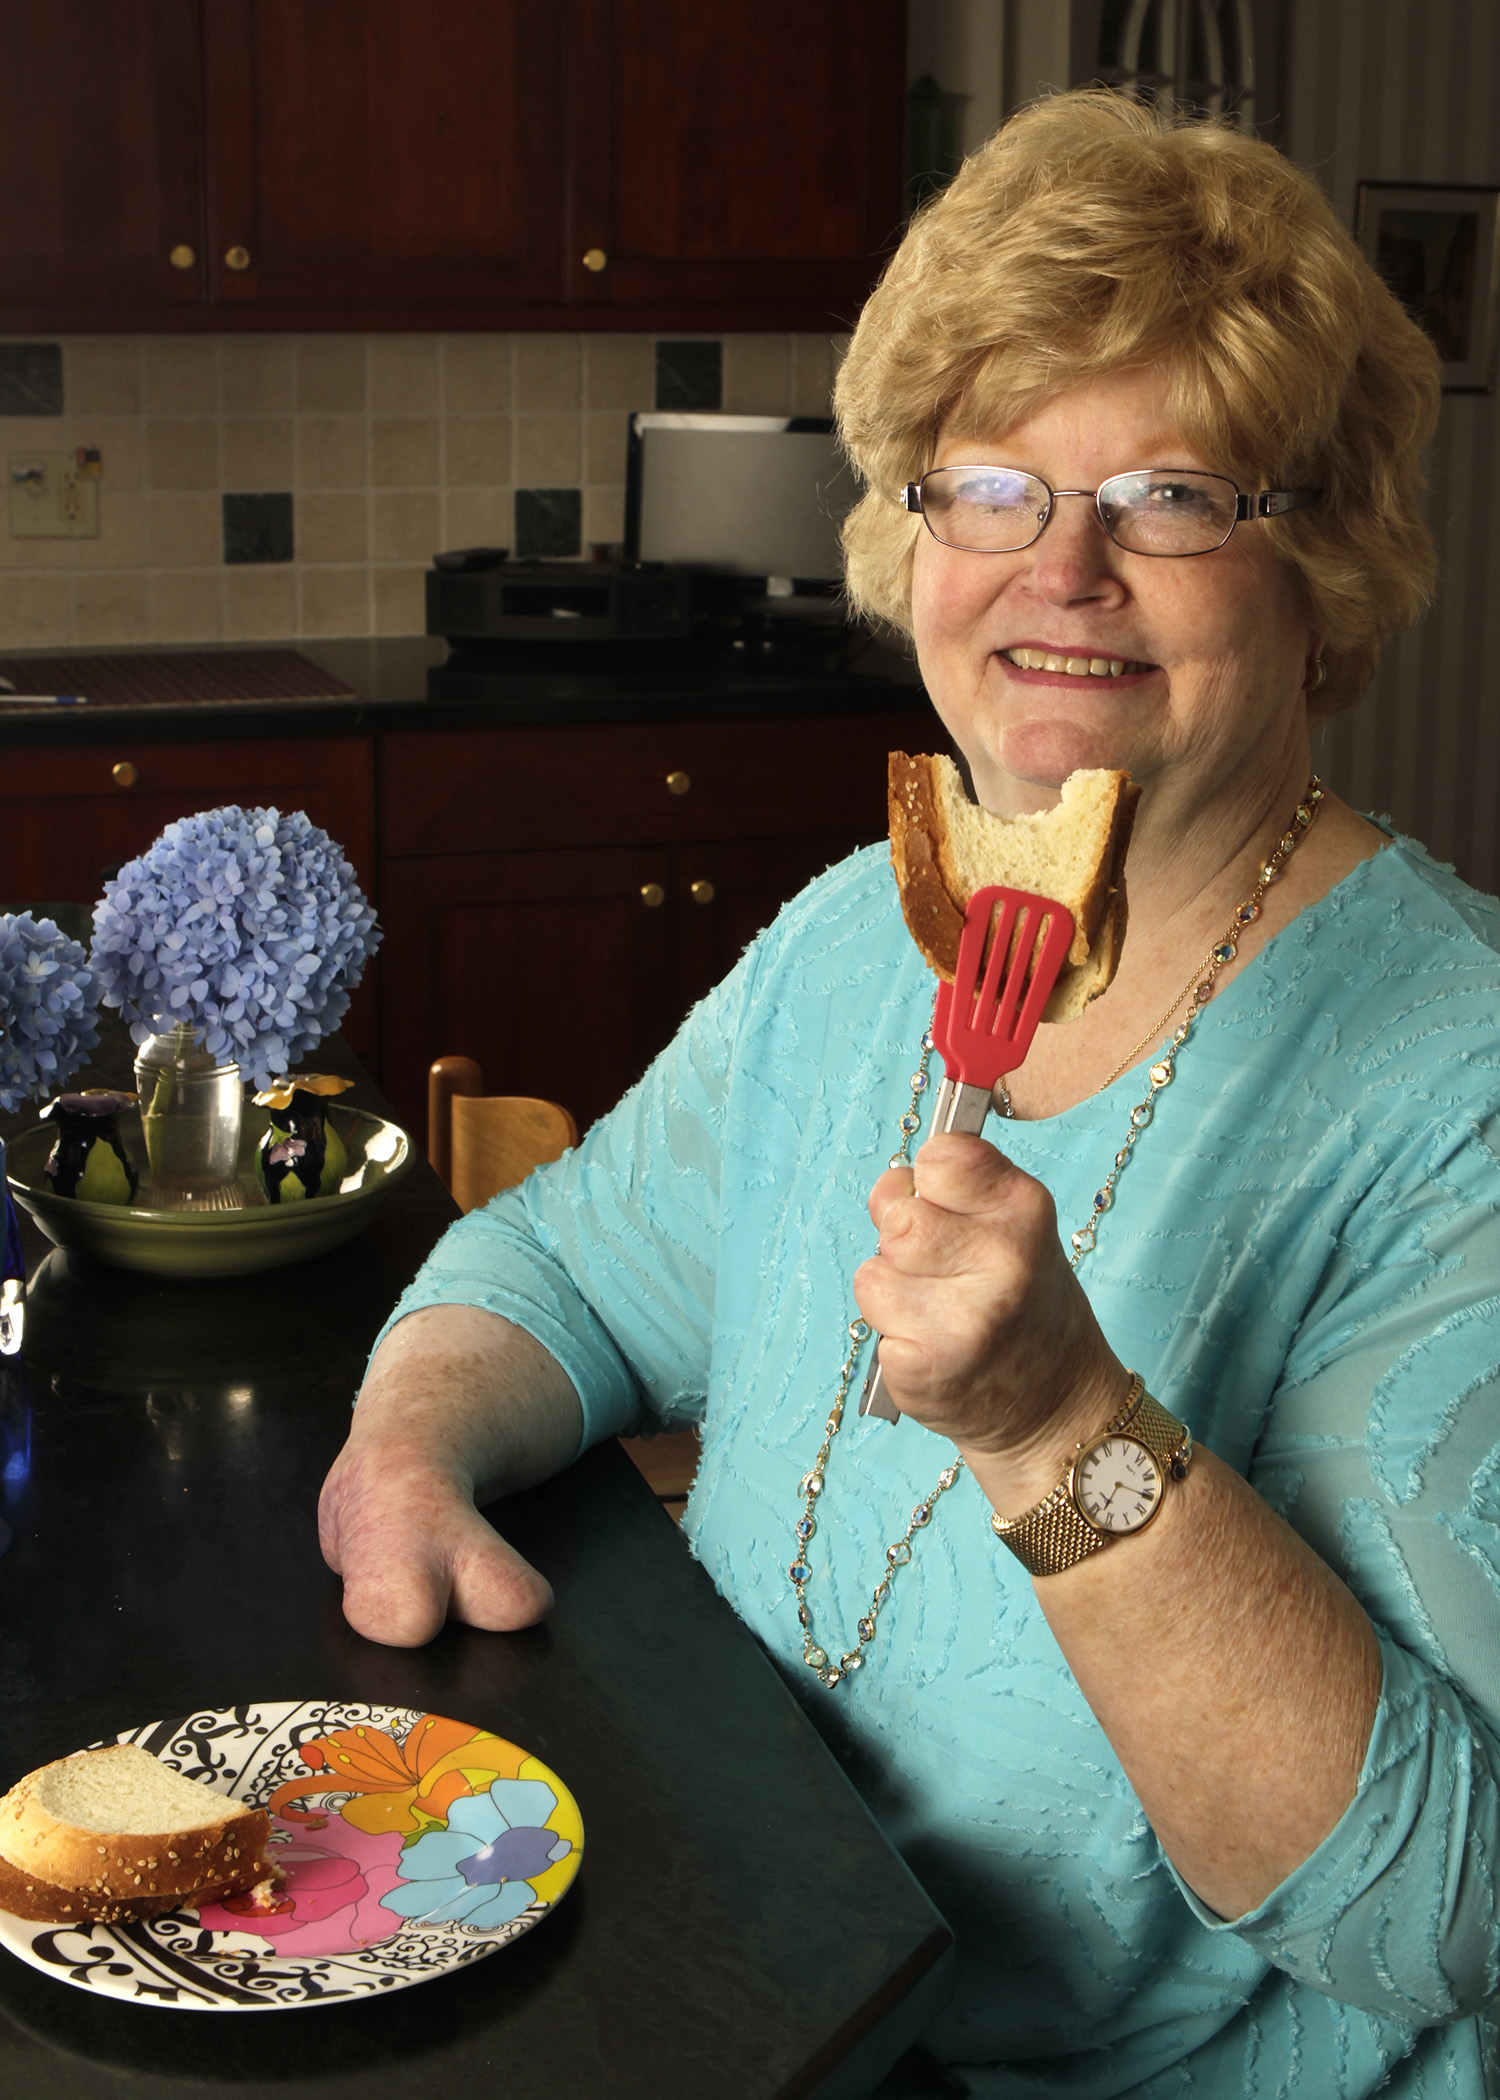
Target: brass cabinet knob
[(595, 259), (702, 893), (124, 775), (652, 895), (182, 256), (679, 783), (238, 258)]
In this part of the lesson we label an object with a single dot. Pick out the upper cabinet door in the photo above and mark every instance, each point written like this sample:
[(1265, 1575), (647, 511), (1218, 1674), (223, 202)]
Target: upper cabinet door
[(100, 161), (369, 164), (744, 157), (375, 161)]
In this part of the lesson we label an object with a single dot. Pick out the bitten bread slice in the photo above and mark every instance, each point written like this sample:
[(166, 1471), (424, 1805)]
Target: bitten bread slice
[(113, 1833), (945, 847)]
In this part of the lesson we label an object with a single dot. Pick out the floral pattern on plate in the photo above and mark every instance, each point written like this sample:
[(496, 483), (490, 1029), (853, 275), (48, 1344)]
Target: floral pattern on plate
[(409, 1844)]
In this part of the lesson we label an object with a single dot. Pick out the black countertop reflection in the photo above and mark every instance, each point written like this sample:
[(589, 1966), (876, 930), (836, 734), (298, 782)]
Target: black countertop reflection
[(739, 1926)]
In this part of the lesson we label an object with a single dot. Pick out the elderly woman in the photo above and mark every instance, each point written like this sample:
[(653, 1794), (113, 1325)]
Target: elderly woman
[(1210, 1800)]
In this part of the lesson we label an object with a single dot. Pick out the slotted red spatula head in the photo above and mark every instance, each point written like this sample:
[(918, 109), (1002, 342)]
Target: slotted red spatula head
[(986, 1018)]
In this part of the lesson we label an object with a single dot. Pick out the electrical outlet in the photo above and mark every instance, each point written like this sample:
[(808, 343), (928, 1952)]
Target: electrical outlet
[(55, 495)]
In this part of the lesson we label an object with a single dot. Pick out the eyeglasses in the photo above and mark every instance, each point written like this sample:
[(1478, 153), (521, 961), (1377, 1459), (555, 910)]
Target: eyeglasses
[(1153, 510)]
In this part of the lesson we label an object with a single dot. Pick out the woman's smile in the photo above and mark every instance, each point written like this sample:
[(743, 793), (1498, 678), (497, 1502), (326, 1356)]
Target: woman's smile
[(1069, 664)]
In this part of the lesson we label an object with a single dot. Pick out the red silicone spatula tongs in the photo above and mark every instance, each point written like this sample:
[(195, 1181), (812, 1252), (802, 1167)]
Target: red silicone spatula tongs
[(984, 1022)]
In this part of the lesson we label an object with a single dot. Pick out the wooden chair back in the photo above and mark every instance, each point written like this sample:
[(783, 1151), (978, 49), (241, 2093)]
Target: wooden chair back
[(481, 1143)]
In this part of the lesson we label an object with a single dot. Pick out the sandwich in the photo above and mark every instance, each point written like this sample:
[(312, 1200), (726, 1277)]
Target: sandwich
[(945, 847), (112, 1834)]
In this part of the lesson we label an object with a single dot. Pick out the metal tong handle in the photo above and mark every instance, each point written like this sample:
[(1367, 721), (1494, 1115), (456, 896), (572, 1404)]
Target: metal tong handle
[(956, 1107)]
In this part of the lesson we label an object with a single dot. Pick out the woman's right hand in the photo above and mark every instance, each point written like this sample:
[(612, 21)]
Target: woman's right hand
[(458, 1405), (414, 1551)]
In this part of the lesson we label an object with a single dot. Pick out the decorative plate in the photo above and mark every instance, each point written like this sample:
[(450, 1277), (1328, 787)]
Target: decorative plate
[(215, 1242), (411, 1845)]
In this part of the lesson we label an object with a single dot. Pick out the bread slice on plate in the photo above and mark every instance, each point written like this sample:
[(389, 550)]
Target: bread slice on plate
[(945, 847), (112, 1834)]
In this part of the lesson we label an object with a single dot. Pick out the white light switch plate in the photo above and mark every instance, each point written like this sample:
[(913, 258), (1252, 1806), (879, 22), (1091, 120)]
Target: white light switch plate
[(52, 498)]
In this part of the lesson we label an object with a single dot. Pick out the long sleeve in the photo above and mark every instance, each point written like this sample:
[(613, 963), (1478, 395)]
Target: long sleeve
[(1383, 1449)]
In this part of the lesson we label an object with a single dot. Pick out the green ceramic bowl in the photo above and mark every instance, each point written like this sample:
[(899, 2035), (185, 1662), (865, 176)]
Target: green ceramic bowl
[(215, 1242)]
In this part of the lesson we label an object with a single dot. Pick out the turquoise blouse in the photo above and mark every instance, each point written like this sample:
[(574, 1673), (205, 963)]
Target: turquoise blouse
[(1303, 1261)]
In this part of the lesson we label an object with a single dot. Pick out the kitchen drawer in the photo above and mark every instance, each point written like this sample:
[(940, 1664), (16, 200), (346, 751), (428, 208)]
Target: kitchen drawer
[(198, 775), (68, 814), (482, 790)]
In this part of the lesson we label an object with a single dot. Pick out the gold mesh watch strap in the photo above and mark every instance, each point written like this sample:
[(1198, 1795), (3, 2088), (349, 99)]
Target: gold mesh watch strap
[(1166, 1438), (1054, 1534)]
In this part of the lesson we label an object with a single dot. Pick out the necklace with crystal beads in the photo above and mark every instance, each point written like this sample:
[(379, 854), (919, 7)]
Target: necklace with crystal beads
[(1198, 990), (899, 1553)]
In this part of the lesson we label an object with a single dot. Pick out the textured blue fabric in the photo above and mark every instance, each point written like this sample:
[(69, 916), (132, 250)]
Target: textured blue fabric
[(1303, 1261)]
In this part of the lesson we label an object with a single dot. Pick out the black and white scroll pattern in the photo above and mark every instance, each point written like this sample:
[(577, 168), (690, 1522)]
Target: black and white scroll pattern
[(247, 1752)]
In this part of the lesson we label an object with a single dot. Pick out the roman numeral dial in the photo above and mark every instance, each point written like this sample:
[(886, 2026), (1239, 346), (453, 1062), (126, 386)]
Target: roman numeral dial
[(1117, 1484)]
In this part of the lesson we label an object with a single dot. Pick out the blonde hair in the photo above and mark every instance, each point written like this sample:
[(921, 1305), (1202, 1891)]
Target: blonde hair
[(1091, 234)]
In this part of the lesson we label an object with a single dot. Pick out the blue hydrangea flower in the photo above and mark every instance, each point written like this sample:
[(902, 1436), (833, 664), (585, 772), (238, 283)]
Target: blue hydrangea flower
[(477, 1871), (48, 997), (244, 925)]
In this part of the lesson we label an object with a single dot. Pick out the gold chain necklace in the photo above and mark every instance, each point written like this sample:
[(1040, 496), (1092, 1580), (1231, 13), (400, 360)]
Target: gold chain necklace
[(1198, 990)]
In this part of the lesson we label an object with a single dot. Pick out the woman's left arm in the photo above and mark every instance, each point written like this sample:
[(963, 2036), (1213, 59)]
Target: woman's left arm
[(1235, 1674), (1242, 1684)]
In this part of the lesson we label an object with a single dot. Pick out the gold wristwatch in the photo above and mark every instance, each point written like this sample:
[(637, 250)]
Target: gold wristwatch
[(1114, 1486)]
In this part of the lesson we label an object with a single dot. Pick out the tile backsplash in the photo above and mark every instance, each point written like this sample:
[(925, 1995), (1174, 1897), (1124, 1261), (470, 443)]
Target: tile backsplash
[(273, 487)]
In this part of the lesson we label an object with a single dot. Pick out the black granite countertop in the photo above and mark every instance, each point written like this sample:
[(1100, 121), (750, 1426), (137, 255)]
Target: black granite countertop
[(360, 687), (162, 1443)]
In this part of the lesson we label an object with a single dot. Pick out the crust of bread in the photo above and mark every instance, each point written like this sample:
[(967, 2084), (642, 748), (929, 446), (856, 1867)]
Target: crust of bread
[(44, 1903), (68, 1871), (934, 918), (934, 896)]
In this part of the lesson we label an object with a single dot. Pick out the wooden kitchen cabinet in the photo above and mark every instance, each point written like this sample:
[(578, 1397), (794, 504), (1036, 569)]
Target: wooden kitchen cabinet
[(69, 817), (325, 164), (546, 967), (724, 891), (369, 154), (743, 156), (101, 122), (538, 885)]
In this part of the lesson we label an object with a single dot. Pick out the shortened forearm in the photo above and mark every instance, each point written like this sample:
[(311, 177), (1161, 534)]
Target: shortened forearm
[(474, 1393)]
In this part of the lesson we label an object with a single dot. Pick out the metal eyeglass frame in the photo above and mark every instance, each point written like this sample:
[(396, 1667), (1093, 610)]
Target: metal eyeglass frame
[(1264, 503)]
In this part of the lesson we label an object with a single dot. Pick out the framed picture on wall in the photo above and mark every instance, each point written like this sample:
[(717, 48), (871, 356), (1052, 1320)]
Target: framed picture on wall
[(1435, 246)]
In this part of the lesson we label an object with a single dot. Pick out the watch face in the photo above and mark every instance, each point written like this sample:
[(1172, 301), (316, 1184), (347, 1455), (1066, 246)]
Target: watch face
[(1118, 1484)]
